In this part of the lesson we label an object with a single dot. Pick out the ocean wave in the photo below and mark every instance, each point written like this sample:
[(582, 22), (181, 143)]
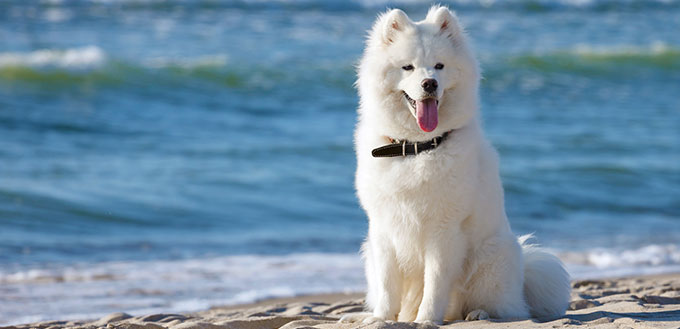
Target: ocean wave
[(140, 287), (588, 60), (617, 262), (236, 267), (277, 267), (245, 266), (646, 256), (186, 285), (92, 66), (75, 58)]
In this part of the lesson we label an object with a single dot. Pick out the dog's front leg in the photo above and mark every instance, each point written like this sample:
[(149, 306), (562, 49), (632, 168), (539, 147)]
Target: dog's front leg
[(444, 255), (385, 283)]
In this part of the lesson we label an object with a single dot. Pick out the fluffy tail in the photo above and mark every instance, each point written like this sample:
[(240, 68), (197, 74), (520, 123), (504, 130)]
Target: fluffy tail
[(546, 283)]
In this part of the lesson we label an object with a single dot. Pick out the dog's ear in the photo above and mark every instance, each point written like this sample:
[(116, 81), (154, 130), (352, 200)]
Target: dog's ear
[(446, 21), (392, 23)]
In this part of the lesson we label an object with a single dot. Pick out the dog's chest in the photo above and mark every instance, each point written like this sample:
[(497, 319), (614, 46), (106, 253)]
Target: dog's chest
[(411, 234), (425, 177), (410, 199)]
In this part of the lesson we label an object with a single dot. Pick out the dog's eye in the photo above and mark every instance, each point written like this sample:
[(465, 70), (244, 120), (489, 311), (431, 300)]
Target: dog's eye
[(407, 67), (439, 66)]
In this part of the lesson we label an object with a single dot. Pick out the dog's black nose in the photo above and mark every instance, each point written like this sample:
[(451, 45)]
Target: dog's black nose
[(429, 85)]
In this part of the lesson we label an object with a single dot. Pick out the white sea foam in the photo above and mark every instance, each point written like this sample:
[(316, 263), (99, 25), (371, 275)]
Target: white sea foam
[(72, 58), (654, 48), (600, 262), (91, 57), (141, 287)]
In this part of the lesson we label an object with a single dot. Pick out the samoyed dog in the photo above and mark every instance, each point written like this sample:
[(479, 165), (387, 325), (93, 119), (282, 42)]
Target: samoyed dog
[(439, 244)]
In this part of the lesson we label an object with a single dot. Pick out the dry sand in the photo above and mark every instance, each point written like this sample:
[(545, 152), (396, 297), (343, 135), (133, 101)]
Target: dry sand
[(642, 302)]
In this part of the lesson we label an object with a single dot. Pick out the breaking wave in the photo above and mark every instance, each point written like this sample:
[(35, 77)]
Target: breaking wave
[(75, 58), (589, 60), (140, 287), (601, 262), (91, 65)]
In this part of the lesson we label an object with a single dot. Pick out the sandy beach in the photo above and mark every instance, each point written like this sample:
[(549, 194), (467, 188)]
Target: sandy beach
[(638, 302)]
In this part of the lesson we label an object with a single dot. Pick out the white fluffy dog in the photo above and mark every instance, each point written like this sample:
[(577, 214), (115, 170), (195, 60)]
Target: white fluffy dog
[(439, 244)]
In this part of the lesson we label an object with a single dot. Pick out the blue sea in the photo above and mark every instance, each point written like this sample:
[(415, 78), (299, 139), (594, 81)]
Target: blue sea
[(169, 156)]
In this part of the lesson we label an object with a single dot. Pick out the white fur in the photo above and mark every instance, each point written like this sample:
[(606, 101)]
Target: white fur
[(439, 245)]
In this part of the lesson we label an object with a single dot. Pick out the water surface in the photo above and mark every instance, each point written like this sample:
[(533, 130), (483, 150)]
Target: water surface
[(174, 155)]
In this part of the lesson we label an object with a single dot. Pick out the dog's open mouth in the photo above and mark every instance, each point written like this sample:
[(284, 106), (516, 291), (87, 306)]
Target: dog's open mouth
[(425, 111)]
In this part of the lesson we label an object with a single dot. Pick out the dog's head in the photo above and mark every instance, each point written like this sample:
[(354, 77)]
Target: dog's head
[(418, 79)]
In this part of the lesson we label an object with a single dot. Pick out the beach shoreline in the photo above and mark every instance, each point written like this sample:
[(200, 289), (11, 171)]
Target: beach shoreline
[(651, 301)]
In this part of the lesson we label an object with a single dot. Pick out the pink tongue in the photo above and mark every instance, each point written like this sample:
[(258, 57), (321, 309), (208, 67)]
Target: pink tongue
[(426, 111)]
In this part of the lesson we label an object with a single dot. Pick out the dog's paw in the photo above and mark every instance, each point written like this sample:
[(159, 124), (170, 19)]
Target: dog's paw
[(355, 317), (477, 315)]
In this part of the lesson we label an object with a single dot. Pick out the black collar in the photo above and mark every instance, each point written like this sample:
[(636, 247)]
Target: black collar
[(404, 148)]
